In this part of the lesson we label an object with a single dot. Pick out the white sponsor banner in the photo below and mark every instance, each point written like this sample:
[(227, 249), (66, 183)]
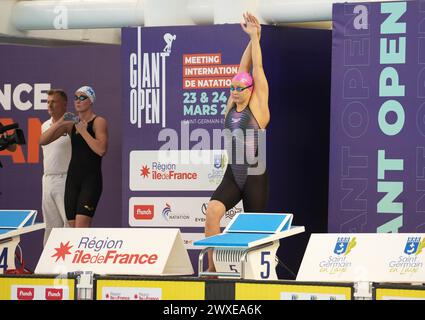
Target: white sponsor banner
[(378, 257), (138, 251), (179, 170), (28, 292), (125, 293), (173, 212)]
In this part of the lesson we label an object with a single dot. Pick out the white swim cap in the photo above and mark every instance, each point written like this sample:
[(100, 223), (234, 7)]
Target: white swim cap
[(89, 92)]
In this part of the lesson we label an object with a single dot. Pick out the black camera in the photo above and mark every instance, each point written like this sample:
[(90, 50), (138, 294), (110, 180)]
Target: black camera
[(17, 137)]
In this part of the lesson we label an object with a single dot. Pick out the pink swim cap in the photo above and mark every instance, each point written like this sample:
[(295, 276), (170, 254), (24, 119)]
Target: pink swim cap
[(244, 77)]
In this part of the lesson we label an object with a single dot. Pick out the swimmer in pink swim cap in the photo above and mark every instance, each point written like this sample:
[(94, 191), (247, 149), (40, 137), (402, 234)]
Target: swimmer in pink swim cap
[(247, 111), (244, 78)]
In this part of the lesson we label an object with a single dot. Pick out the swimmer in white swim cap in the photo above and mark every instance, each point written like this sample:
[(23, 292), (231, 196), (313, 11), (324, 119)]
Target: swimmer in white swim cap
[(89, 139)]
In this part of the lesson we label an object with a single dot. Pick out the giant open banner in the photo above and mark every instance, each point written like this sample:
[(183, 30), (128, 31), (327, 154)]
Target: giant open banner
[(377, 151), (174, 96)]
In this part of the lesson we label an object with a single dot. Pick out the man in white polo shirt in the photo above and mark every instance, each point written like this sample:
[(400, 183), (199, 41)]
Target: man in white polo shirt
[(56, 157)]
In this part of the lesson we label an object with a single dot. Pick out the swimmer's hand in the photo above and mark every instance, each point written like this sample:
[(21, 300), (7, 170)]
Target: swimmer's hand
[(251, 25)]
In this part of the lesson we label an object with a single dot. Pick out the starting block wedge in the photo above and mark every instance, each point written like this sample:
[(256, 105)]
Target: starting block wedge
[(14, 223), (247, 247)]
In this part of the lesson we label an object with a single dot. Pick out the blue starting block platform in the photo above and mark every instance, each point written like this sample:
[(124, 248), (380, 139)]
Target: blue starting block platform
[(247, 245), (14, 223), (13, 220)]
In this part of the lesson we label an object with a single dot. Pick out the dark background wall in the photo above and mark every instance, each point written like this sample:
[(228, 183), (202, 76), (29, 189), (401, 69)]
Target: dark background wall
[(298, 134)]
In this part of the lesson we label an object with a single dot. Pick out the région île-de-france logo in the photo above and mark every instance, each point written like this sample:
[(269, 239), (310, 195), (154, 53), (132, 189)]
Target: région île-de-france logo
[(414, 245), (147, 81), (62, 251), (145, 171), (344, 245), (92, 250), (166, 171)]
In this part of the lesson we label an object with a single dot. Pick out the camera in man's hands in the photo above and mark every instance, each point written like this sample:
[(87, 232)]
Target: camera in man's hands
[(7, 140)]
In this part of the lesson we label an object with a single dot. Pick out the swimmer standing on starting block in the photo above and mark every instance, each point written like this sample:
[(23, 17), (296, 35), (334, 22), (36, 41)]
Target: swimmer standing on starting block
[(247, 110)]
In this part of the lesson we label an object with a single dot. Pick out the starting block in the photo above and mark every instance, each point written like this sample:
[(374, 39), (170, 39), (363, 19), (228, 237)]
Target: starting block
[(247, 247), (14, 223)]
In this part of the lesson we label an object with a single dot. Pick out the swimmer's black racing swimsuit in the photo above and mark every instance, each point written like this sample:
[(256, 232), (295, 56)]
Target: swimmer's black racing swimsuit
[(84, 180), (237, 183)]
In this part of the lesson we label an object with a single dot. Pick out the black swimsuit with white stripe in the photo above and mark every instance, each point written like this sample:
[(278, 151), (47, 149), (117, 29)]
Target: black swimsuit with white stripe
[(241, 143)]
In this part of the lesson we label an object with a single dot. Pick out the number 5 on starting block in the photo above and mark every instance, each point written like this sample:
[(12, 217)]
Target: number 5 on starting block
[(247, 247)]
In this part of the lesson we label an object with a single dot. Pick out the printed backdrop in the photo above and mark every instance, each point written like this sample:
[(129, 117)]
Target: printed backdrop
[(377, 156), (175, 87), (27, 73), (183, 80)]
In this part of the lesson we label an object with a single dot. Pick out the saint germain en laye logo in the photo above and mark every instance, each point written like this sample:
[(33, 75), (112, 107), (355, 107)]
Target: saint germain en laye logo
[(147, 82), (216, 175), (411, 260), (344, 245), (338, 262), (219, 161), (414, 245)]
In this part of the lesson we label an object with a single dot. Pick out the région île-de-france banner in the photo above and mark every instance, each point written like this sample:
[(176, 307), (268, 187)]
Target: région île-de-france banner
[(377, 151), (115, 251), (175, 89)]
